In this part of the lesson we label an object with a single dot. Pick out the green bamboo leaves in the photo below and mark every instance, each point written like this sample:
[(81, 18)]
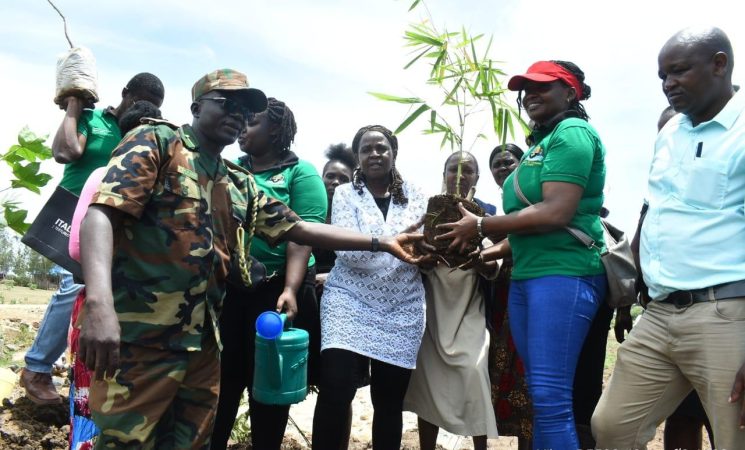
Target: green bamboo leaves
[(468, 80)]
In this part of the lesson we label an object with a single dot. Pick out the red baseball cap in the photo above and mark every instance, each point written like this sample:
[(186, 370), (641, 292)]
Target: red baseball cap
[(545, 72)]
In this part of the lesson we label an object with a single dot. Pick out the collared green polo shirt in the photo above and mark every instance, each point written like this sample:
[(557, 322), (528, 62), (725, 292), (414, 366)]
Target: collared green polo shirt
[(571, 153)]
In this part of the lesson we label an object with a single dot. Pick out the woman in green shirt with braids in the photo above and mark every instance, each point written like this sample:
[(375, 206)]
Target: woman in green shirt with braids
[(290, 269), (557, 282)]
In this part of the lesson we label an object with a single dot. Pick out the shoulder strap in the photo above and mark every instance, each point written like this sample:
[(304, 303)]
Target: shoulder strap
[(516, 185), (580, 235)]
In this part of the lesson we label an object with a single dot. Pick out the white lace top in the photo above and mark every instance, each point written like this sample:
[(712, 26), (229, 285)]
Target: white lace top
[(373, 303)]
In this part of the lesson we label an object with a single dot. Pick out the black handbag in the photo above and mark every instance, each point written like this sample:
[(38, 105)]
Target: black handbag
[(49, 234)]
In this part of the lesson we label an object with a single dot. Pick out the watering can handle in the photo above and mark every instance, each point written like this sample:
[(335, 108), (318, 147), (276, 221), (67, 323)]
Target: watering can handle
[(287, 324), (276, 364)]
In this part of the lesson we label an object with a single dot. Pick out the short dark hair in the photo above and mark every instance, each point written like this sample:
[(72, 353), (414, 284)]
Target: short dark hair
[(711, 39), (465, 154), (516, 151), (146, 83), (340, 152), (140, 109)]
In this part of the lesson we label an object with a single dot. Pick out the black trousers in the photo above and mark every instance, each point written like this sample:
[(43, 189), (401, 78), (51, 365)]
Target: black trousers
[(340, 371), (238, 333)]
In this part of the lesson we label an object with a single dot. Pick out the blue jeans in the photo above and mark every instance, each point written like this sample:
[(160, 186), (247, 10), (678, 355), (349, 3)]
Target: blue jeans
[(549, 319), (51, 340)]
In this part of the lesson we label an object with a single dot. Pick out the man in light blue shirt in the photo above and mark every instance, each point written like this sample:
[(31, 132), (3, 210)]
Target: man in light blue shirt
[(692, 251), (696, 198)]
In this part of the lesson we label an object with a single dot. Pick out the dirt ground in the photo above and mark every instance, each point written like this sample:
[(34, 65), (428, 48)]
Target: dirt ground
[(26, 426)]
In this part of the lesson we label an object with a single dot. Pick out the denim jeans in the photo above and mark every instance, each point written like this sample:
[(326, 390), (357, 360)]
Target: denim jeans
[(549, 318), (51, 340)]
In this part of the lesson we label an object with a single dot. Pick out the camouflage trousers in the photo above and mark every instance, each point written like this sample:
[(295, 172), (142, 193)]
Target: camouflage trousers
[(158, 399)]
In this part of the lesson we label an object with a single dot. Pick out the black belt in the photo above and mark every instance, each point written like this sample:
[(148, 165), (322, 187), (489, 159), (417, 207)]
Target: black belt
[(683, 299)]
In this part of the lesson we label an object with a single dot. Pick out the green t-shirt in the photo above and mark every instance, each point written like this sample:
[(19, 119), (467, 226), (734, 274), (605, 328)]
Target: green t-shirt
[(101, 130), (571, 153), (298, 186)]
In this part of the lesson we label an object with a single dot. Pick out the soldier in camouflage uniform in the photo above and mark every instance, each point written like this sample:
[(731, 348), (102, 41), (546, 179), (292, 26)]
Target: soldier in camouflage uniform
[(156, 249)]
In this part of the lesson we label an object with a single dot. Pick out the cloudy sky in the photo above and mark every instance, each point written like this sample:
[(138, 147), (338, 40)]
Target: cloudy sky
[(322, 57)]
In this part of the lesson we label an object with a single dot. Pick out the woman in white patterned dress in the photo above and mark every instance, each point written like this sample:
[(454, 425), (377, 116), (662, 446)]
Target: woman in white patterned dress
[(372, 314)]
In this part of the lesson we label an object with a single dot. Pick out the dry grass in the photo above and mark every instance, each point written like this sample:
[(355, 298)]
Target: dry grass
[(18, 295)]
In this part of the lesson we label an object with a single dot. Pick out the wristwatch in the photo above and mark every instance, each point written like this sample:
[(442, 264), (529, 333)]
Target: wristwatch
[(479, 229), (374, 244)]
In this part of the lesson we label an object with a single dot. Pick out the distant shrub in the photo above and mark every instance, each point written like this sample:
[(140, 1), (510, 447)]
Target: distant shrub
[(22, 280)]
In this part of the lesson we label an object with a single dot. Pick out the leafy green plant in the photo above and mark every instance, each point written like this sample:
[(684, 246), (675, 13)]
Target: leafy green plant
[(24, 160), (22, 280), (468, 82), (241, 432)]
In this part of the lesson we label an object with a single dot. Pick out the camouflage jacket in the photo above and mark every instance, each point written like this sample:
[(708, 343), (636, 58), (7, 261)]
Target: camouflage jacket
[(172, 253)]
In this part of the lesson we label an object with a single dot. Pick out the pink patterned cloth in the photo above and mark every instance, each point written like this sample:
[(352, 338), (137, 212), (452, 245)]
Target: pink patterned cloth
[(82, 429)]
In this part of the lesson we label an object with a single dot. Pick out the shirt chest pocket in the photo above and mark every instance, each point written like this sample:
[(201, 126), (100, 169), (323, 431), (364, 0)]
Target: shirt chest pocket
[(180, 202), (706, 184)]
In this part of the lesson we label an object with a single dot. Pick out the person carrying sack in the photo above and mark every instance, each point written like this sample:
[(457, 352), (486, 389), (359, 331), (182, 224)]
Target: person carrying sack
[(83, 143)]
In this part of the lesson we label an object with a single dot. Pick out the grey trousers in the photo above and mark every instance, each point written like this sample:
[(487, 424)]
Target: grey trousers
[(670, 352)]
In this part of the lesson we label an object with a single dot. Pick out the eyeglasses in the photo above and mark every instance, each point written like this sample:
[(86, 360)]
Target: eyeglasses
[(231, 106)]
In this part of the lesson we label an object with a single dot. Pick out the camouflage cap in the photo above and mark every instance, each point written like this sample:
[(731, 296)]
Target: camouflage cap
[(230, 80)]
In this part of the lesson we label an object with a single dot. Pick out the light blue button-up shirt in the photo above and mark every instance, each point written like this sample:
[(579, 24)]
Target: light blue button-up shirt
[(694, 232)]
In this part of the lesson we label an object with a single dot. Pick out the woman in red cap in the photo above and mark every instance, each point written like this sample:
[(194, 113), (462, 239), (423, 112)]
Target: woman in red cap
[(557, 283)]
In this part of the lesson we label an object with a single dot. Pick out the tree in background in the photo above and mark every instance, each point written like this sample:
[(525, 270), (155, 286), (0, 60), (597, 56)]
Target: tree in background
[(24, 160)]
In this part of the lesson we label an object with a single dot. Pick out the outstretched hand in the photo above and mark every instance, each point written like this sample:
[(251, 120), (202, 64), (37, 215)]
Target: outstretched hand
[(474, 260), (402, 246), (428, 255), (461, 232)]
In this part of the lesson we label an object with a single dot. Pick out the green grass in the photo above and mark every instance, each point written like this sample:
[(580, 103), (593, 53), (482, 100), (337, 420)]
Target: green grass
[(19, 295), (612, 347), (20, 336), (17, 336)]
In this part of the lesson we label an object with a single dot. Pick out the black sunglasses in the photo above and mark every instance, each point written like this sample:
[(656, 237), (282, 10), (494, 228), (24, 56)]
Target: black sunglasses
[(231, 106)]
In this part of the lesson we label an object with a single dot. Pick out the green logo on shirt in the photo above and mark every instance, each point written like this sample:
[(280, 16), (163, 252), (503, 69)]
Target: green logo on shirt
[(101, 131), (277, 179), (535, 156)]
